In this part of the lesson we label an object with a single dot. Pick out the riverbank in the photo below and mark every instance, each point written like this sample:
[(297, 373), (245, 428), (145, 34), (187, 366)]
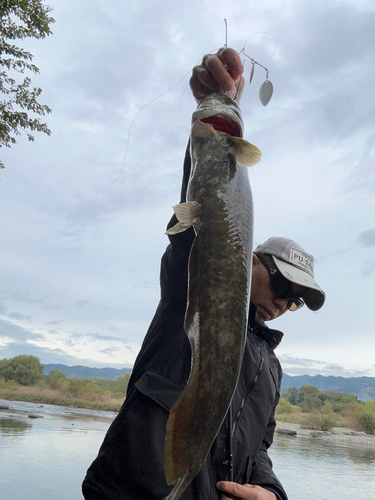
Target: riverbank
[(338, 435), (55, 397)]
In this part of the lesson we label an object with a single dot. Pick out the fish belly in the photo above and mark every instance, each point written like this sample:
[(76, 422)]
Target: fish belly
[(218, 302)]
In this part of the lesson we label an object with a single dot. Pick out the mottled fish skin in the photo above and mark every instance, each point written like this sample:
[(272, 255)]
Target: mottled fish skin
[(218, 294)]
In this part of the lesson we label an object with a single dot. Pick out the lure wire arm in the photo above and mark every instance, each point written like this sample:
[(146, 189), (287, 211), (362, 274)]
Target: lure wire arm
[(266, 89), (253, 61)]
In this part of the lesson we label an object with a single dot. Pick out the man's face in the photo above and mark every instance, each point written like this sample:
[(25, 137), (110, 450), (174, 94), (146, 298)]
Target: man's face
[(269, 305)]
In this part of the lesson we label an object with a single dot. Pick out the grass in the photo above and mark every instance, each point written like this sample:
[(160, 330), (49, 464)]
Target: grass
[(315, 421), (35, 394)]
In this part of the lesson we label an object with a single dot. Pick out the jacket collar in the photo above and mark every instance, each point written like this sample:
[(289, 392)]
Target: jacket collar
[(271, 336)]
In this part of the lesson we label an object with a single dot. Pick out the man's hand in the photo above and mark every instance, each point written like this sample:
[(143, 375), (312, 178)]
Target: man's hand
[(244, 492), (220, 72)]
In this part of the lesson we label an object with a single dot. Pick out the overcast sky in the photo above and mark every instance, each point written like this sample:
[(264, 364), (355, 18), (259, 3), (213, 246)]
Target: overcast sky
[(82, 227)]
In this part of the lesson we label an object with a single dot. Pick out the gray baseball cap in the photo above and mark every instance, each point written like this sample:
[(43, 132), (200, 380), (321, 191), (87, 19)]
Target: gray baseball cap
[(295, 265)]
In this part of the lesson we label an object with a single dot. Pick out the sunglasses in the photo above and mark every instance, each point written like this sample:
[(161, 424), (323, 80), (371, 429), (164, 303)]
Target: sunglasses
[(282, 287)]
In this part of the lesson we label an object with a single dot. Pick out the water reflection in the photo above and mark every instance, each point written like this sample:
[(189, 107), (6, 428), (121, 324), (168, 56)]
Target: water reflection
[(313, 468), (316, 449), (362, 456), (11, 426), (48, 457)]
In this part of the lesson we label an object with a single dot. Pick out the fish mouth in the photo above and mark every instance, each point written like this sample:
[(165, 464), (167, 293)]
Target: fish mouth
[(223, 125)]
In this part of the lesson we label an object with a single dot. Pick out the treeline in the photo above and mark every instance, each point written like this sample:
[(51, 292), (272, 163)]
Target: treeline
[(100, 389), (26, 370), (22, 377), (323, 410)]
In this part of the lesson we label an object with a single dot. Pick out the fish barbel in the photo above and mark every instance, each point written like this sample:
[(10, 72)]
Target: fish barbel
[(219, 206)]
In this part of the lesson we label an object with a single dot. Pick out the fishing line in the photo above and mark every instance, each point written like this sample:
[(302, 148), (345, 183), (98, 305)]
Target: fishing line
[(165, 147), (265, 94), (178, 113), (132, 123), (262, 33)]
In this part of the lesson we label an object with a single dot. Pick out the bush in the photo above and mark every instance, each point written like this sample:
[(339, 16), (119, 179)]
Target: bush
[(76, 385), (366, 422), (25, 370), (353, 410), (292, 396), (54, 377), (62, 385), (91, 392), (9, 385), (320, 421), (42, 385), (327, 408), (122, 383), (284, 407)]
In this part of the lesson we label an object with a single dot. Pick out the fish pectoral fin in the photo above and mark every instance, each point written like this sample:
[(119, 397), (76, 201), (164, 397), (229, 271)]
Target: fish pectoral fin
[(187, 214), (177, 228), (202, 128), (246, 154)]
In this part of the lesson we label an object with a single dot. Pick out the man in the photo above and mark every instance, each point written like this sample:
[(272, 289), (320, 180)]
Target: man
[(130, 463)]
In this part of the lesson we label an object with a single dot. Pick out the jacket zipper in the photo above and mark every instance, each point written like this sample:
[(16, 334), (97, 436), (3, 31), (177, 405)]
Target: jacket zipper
[(250, 388)]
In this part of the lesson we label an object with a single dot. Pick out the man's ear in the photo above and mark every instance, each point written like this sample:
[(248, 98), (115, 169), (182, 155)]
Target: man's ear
[(256, 261)]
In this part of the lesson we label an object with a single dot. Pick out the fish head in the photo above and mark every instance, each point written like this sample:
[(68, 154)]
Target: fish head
[(220, 111)]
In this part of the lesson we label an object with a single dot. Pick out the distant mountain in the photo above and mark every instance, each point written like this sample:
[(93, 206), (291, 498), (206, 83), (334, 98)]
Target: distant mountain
[(362, 387), (86, 372)]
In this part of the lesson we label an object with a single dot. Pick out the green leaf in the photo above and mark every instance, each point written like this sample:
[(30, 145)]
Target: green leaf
[(20, 19)]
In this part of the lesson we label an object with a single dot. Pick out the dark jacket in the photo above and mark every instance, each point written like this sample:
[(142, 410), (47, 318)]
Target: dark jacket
[(129, 465)]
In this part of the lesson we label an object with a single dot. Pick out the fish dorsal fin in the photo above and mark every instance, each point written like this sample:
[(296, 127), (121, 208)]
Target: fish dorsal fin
[(187, 214), (246, 154)]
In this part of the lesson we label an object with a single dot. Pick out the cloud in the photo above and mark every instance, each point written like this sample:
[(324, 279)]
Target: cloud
[(367, 238), (19, 316), (109, 350), (47, 356), (11, 331), (106, 338), (77, 247), (82, 304), (305, 366)]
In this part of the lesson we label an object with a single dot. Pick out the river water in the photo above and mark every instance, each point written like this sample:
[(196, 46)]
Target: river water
[(46, 458)]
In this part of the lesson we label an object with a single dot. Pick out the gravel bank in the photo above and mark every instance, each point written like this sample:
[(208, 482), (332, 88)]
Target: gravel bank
[(338, 435)]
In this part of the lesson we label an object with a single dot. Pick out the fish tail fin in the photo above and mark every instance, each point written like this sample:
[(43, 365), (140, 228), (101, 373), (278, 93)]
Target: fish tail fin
[(177, 490), (246, 154), (187, 214)]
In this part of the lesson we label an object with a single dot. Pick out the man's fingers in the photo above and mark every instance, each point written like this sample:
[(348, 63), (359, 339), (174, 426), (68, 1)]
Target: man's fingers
[(203, 81), (234, 489), (232, 61), (240, 88), (218, 72), (245, 491)]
